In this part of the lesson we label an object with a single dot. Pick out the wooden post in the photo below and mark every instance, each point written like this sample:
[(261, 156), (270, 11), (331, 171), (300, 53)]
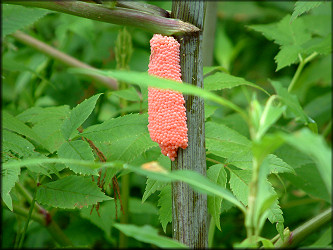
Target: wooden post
[(189, 208)]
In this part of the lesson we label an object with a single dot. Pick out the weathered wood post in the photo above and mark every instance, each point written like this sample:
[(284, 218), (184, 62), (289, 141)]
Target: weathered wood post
[(189, 208)]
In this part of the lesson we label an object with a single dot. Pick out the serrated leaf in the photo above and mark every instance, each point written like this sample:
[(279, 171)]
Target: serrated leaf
[(17, 17), (239, 181), (197, 181), (314, 146), (287, 55), (165, 204), (129, 94), (228, 143), (79, 150), (291, 101), (153, 185), (302, 7), (284, 32), (46, 123), (221, 80), (130, 147), (9, 177), (123, 138), (70, 192), (290, 37), (15, 146), (13, 124), (78, 115), (148, 234), (216, 174), (117, 128)]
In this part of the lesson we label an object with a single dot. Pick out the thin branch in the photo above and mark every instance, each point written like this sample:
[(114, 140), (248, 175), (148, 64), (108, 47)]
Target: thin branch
[(305, 230), (62, 57), (116, 15), (53, 228), (149, 8)]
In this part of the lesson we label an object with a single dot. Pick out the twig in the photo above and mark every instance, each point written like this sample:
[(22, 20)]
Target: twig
[(304, 230), (62, 57), (116, 15)]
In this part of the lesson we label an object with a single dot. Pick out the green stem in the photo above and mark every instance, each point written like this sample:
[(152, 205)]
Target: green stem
[(300, 68), (27, 195), (116, 15), (125, 186), (62, 57), (52, 227), (253, 188), (209, 33), (211, 232), (28, 219), (303, 231), (149, 8), (328, 129)]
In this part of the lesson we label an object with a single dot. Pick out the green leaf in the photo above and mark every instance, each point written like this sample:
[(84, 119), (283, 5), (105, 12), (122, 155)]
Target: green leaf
[(239, 181), (314, 146), (227, 143), (165, 204), (78, 115), (216, 174), (202, 184), (105, 217), (13, 124), (137, 207), (194, 179), (70, 192), (9, 177), (79, 150), (308, 179), (15, 146), (290, 37), (17, 17), (287, 55), (153, 185), (325, 240), (46, 123), (223, 48), (302, 7), (143, 79), (129, 94), (122, 138), (221, 80), (291, 101), (284, 32), (148, 234), (268, 117)]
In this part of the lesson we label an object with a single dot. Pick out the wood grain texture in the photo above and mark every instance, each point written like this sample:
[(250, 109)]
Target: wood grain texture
[(189, 208)]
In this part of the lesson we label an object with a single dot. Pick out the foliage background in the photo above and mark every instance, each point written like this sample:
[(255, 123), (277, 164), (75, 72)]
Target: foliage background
[(31, 79)]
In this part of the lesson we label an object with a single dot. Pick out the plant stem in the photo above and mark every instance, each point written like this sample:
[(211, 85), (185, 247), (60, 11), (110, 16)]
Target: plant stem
[(149, 8), (53, 228), (300, 68), (327, 129), (306, 229), (209, 33), (211, 232), (125, 187), (253, 188), (62, 57), (28, 219), (116, 15), (189, 208)]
